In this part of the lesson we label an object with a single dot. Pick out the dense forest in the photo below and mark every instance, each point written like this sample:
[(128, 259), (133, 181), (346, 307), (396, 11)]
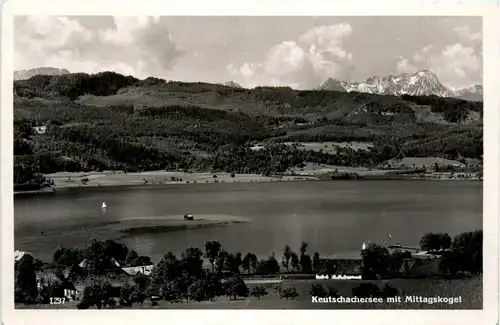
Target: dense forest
[(108, 121)]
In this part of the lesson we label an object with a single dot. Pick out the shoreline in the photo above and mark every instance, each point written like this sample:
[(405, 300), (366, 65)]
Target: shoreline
[(76, 180)]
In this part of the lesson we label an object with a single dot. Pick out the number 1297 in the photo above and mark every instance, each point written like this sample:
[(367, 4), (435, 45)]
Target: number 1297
[(57, 300)]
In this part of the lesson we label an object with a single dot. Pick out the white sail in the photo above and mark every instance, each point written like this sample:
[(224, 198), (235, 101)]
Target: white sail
[(104, 206), (363, 247)]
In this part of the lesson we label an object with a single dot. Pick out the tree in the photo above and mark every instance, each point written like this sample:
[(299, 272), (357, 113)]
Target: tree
[(131, 257), (141, 281), (26, 285), (445, 240), (430, 242), (287, 254), (236, 287), (98, 294), (294, 261), (233, 263), (58, 253), (68, 256), (197, 290), (126, 295), (99, 256), (305, 264), (317, 290), (75, 272), (192, 262), (316, 262), (245, 263), (470, 240), (167, 269), (269, 266), (258, 291), (253, 261), (466, 254), (303, 248), (376, 261), (397, 260), (305, 260), (288, 292), (115, 250), (212, 249), (220, 261)]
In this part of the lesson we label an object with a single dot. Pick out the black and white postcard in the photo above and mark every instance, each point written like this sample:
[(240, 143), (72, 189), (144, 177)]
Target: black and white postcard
[(163, 157)]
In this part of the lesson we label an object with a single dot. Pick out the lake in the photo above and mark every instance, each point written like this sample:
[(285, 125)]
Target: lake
[(333, 217)]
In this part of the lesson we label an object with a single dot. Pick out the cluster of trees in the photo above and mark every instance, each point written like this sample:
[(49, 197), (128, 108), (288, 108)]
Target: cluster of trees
[(172, 278), (434, 242), (454, 110), (100, 256), (178, 279), (461, 256), (301, 262), (465, 255), (74, 85)]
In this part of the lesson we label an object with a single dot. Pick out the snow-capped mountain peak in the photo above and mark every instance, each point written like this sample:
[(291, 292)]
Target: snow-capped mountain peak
[(424, 82), (232, 84)]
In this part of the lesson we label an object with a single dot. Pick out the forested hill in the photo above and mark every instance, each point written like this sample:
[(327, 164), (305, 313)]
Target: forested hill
[(109, 121)]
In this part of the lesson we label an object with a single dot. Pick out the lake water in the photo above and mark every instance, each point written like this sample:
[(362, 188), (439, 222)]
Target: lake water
[(334, 217)]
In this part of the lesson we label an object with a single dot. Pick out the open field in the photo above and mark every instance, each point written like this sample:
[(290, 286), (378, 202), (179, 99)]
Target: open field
[(331, 147), (422, 162), (318, 169), (116, 178)]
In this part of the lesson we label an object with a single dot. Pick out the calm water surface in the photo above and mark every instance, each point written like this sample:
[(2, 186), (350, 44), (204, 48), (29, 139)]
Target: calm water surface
[(334, 217)]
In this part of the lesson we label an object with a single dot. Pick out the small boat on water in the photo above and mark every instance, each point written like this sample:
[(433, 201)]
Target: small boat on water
[(104, 206)]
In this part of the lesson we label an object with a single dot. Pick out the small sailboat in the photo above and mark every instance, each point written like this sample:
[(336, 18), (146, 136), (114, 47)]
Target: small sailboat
[(104, 206)]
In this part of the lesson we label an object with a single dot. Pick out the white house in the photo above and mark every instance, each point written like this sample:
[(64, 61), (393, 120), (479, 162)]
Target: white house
[(135, 270)]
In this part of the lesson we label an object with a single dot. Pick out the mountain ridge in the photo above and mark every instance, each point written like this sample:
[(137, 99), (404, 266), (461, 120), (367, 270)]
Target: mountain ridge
[(420, 83), (109, 121), (48, 71)]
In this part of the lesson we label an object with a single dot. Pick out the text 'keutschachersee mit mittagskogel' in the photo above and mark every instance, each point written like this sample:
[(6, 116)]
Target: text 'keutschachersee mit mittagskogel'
[(397, 299)]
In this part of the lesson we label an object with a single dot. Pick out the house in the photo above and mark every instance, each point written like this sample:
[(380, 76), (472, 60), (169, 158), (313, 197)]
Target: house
[(40, 129), (340, 267), (188, 217), (48, 276), (136, 270), (18, 255)]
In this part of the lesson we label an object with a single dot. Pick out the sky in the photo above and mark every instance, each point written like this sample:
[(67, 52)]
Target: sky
[(300, 52)]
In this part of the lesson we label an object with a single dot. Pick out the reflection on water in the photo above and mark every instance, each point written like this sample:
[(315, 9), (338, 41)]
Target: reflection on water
[(335, 217)]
